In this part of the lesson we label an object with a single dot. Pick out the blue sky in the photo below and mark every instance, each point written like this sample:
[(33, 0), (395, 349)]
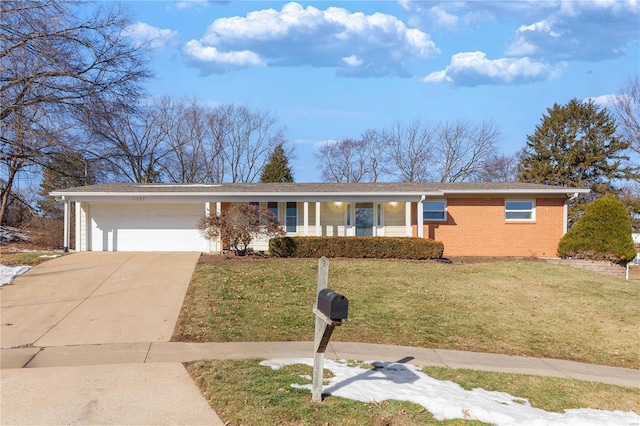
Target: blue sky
[(331, 70)]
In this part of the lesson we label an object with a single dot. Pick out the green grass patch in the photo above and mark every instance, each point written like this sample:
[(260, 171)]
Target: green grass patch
[(516, 307), (246, 393), (547, 393), (30, 258)]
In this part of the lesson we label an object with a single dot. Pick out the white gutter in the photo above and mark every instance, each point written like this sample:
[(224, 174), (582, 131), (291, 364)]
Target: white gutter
[(518, 191), (242, 194), (441, 193)]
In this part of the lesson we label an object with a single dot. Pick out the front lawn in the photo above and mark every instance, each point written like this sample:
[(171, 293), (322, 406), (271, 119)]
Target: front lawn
[(246, 393), (517, 307)]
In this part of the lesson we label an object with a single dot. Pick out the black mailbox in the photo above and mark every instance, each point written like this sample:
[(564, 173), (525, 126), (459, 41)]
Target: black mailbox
[(333, 305)]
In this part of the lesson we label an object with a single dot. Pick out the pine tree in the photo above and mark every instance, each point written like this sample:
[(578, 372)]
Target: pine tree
[(64, 170), (277, 168), (575, 145)]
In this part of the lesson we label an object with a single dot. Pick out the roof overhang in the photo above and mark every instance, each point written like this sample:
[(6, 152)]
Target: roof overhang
[(302, 192)]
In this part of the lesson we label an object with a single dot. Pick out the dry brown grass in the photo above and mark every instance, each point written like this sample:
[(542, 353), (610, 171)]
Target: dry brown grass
[(517, 307)]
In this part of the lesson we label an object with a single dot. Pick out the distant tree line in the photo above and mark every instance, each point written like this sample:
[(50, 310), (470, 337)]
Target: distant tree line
[(182, 141), (416, 151)]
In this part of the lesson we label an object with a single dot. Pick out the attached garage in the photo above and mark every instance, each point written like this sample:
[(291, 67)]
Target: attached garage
[(146, 227)]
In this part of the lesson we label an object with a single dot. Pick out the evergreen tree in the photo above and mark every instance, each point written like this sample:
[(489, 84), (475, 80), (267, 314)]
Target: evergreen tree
[(277, 168), (64, 170), (575, 145)]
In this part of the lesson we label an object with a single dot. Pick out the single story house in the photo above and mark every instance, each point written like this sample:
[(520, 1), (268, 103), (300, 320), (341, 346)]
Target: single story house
[(471, 219)]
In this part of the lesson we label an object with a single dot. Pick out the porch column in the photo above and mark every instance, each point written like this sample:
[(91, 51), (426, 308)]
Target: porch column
[(318, 227), (79, 238), (219, 237), (407, 219), (207, 212), (306, 218), (420, 220), (67, 225)]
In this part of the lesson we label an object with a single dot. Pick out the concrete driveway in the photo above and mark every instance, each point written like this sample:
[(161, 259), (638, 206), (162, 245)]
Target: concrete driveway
[(126, 299), (91, 297)]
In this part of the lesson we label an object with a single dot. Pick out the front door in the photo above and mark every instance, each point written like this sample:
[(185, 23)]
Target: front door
[(364, 219)]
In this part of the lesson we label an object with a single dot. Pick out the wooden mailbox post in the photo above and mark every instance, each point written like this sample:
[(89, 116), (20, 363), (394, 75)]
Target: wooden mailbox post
[(331, 308)]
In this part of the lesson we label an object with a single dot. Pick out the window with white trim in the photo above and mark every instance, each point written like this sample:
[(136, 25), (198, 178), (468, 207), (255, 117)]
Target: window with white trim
[(272, 206), (434, 210), (291, 218), (522, 210)]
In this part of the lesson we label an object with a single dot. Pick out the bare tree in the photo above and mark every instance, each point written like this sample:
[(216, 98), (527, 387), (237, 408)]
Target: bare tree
[(55, 55), (343, 161), (132, 144), (375, 155), (626, 108), (184, 127), (462, 148), (411, 150), (498, 168), (218, 128), (239, 142), (354, 160), (240, 224)]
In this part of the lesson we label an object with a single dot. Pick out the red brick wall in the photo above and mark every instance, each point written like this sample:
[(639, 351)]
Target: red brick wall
[(477, 227)]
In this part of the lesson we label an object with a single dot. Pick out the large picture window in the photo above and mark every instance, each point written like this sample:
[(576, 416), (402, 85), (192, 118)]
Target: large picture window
[(292, 217), (435, 210), (523, 210)]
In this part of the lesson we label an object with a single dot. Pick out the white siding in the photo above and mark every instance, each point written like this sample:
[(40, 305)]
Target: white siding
[(394, 220), (332, 219)]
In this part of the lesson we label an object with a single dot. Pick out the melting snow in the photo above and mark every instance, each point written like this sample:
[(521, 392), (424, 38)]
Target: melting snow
[(9, 273), (444, 399)]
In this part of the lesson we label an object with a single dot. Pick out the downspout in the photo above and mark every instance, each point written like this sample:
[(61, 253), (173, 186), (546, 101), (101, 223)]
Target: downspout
[(565, 222), (419, 219)]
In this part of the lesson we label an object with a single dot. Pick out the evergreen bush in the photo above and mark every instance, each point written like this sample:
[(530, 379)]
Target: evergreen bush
[(356, 247), (602, 233)]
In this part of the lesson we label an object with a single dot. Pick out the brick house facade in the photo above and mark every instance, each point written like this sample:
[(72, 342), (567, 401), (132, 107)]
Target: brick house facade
[(470, 219)]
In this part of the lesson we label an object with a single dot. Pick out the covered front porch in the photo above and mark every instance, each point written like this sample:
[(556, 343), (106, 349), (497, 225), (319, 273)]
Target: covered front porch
[(337, 218)]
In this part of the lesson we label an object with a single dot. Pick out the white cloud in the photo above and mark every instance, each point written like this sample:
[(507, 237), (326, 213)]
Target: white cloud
[(335, 37), (473, 69), (327, 142), (352, 61), (550, 30), (583, 30), (606, 101), (443, 18), (185, 4), (223, 61), (155, 38)]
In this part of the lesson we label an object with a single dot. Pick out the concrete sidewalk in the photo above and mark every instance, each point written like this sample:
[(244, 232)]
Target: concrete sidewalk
[(162, 352), (142, 394)]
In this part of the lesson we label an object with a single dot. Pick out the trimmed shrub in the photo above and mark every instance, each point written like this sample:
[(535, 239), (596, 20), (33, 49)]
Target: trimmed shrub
[(357, 247), (602, 233)]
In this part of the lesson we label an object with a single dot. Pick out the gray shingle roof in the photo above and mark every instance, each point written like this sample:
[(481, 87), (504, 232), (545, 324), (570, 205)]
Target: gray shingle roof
[(318, 188)]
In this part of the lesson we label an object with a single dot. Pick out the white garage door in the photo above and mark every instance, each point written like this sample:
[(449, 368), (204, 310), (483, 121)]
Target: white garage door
[(146, 227)]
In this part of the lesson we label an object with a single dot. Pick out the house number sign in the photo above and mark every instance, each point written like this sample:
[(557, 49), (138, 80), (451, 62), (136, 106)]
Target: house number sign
[(137, 198)]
